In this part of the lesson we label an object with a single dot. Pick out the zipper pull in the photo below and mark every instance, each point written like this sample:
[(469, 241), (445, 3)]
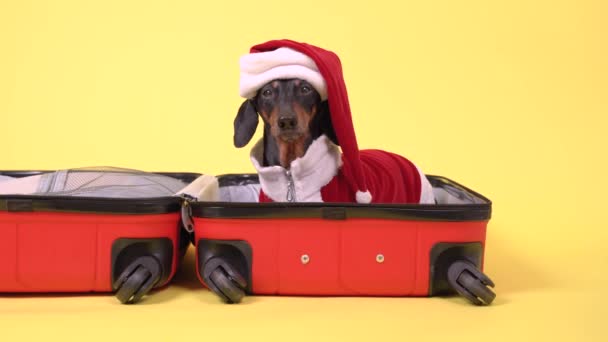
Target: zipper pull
[(187, 221), (291, 187)]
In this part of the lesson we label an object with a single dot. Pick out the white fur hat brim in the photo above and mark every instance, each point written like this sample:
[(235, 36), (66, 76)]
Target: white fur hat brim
[(257, 69)]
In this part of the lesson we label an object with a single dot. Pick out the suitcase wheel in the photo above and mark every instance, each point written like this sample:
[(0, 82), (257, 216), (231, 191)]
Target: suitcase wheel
[(230, 291), (223, 279), (471, 283), (138, 279)]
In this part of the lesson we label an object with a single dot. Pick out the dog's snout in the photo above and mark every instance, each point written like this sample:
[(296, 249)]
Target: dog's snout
[(288, 122)]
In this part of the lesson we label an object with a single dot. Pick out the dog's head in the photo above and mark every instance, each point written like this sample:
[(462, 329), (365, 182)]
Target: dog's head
[(293, 114)]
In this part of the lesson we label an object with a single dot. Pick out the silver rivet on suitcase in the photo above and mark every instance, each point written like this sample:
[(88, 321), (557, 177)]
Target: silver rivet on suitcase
[(305, 259), (379, 258)]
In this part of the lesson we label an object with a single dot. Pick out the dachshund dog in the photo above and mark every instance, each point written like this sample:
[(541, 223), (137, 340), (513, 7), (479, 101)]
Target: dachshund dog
[(293, 114), (294, 117), (309, 154)]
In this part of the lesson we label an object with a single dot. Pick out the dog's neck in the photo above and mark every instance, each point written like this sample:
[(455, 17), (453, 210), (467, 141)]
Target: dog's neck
[(309, 173)]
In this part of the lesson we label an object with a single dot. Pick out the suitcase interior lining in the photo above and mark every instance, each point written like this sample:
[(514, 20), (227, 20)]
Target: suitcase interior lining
[(245, 189)]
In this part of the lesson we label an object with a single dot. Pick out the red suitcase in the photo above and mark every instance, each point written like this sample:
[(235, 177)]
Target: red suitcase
[(323, 249), (89, 244)]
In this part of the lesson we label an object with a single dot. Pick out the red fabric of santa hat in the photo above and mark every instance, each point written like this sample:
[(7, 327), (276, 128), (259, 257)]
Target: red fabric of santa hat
[(285, 59)]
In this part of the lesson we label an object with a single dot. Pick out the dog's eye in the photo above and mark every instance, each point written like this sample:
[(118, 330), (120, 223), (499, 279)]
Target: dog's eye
[(305, 89), (267, 93)]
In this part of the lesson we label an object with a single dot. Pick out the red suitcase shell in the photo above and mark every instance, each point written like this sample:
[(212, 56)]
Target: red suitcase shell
[(85, 244), (321, 249)]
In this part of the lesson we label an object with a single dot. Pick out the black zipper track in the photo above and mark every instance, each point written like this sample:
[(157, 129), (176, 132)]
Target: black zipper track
[(92, 205), (338, 211)]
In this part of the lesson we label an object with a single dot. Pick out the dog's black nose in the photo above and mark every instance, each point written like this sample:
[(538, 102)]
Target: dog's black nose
[(287, 122)]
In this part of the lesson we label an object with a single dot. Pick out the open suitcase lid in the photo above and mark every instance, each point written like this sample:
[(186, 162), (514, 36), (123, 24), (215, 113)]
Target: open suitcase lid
[(238, 199), (124, 191), (98, 190)]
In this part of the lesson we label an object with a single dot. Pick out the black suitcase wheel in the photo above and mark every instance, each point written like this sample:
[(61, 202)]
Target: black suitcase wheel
[(229, 290), (471, 283), (137, 280), (223, 279)]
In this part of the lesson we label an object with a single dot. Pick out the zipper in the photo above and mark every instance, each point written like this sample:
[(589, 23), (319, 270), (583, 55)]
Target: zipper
[(186, 212), (100, 205), (291, 187)]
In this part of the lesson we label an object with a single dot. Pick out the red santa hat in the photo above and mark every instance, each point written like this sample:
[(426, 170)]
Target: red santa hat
[(285, 59)]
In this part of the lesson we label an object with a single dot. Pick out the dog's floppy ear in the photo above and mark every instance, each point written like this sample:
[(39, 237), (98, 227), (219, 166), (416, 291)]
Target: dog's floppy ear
[(325, 122), (245, 123)]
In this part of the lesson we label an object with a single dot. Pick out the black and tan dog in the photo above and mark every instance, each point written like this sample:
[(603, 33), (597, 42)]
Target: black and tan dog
[(294, 116), (309, 150)]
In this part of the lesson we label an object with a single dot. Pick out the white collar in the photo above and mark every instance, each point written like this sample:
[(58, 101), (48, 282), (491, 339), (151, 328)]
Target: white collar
[(310, 173)]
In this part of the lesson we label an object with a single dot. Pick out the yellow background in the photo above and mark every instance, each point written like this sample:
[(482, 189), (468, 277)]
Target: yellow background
[(507, 97)]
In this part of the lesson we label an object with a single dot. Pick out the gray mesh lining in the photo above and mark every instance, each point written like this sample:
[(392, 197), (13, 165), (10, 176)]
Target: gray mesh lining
[(5, 178), (451, 195), (240, 193), (104, 182), (250, 193)]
